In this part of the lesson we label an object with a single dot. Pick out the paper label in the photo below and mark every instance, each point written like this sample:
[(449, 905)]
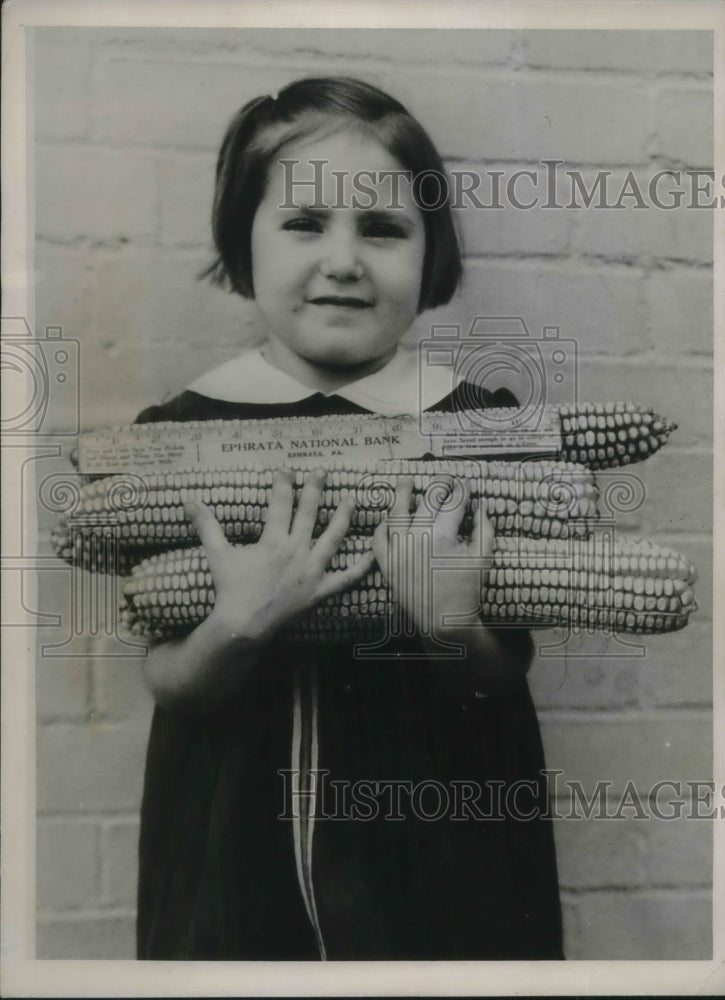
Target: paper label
[(310, 441)]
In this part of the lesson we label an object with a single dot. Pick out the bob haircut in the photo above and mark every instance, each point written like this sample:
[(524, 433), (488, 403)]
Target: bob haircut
[(314, 108)]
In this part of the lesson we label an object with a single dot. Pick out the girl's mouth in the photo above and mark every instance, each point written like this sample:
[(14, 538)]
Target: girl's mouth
[(341, 301)]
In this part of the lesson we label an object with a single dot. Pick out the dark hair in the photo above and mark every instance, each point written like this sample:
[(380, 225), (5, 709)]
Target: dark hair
[(264, 125)]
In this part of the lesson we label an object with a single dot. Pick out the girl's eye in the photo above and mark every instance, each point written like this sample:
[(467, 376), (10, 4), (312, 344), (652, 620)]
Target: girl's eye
[(303, 224), (383, 231)]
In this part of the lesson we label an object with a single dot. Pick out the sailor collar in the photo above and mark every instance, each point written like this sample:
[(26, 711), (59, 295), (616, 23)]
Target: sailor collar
[(401, 386)]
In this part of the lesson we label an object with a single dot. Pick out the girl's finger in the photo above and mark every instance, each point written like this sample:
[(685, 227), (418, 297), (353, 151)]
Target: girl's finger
[(448, 520), (400, 508), (380, 539), (432, 500), (209, 531), (329, 541), (308, 506), (279, 511), (343, 579), (483, 536)]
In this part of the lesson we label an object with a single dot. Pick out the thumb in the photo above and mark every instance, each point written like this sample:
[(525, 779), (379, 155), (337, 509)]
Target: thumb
[(209, 530), (379, 545), (483, 537)]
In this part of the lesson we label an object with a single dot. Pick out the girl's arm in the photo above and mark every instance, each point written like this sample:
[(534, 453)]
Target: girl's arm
[(437, 579), (200, 670), (259, 589), (495, 659)]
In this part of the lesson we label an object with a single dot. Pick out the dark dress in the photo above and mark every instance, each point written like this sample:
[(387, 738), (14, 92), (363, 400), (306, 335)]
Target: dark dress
[(218, 875)]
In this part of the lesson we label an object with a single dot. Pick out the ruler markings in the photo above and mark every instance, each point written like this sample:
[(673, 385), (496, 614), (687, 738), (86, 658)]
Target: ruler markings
[(310, 441)]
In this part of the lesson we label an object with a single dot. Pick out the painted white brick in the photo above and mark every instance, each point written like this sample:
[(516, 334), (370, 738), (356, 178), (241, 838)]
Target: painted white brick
[(509, 230), (684, 233), (198, 99), (62, 79), (87, 937), (681, 393), (529, 119), (190, 315), (120, 295), (119, 849), (636, 51), (63, 601), (681, 493), (643, 750), (187, 193), (678, 667), (156, 327), (61, 288), (600, 310), (82, 603), (680, 305), (431, 47), (677, 851), (89, 769), (67, 864), (585, 672), (684, 127), (593, 853), (61, 689), (632, 231), (119, 689), (117, 646), (61, 301), (655, 925), (353, 46), (96, 194)]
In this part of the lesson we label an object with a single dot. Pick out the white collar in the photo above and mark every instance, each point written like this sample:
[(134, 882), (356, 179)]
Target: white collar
[(399, 387)]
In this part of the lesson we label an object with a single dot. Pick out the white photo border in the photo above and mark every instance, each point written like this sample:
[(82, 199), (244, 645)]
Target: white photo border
[(22, 974)]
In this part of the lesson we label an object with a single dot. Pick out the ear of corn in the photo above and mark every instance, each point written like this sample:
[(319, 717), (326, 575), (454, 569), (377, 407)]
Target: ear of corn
[(547, 569), (632, 586), (536, 499), (604, 435)]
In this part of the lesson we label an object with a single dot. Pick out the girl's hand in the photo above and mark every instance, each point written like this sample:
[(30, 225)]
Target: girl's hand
[(435, 576), (262, 587)]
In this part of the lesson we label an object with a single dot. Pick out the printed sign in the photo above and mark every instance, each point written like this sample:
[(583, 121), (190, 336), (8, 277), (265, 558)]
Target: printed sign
[(311, 441)]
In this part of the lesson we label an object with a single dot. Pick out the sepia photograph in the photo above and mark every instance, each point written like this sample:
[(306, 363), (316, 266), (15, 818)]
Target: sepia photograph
[(358, 550)]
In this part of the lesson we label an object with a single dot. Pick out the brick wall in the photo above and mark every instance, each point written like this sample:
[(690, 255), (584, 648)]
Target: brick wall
[(127, 124)]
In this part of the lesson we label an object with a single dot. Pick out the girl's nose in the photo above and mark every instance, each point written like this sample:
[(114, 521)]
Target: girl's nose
[(340, 261)]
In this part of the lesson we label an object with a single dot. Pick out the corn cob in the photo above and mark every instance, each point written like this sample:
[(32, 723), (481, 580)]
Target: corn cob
[(604, 435), (539, 499), (632, 585)]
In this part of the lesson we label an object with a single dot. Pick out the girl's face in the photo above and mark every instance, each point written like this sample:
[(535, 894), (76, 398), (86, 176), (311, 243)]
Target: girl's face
[(338, 283)]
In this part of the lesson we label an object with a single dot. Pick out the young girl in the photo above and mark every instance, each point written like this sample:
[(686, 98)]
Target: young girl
[(238, 859)]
